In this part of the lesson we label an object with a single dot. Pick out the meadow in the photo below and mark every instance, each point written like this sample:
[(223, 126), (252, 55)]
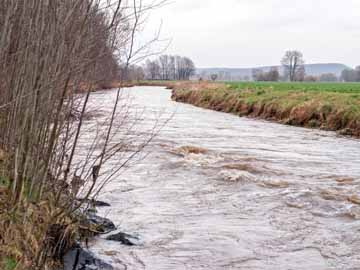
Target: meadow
[(298, 86)]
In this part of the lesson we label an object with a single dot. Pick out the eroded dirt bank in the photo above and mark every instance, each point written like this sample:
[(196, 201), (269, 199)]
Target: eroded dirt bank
[(327, 111)]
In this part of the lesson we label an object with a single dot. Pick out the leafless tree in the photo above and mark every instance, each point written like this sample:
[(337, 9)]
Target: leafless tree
[(152, 70), (214, 77), (293, 64), (300, 74), (272, 75), (256, 73), (172, 67), (164, 61), (168, 67), (350, 75), (48, 51), (133, 73), (357, 73), (188, 68)]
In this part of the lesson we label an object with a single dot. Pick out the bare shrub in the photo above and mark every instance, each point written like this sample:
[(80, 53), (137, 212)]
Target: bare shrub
[(48, 50)]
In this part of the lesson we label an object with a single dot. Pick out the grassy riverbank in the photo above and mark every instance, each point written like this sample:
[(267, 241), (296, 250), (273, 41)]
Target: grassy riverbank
[(329, 106), (26, 229), (29, 226)]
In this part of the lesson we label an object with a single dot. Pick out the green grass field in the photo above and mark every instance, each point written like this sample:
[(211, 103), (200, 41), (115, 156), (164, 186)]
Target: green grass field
[(297, 86)]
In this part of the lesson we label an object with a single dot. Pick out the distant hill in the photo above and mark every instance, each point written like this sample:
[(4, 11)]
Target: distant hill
[(244, 73), (318, 69)]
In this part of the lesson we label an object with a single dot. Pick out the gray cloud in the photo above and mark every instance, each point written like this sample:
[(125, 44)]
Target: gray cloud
[(240, 33)]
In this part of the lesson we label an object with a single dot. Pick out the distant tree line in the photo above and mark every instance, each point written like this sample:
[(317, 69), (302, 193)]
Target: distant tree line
[(351, 75), (169, 67), (271, 76), (294, 70), (223, 76), (132, 73)]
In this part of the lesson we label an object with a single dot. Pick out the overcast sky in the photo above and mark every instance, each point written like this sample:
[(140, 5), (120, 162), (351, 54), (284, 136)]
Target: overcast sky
[(248, 33)]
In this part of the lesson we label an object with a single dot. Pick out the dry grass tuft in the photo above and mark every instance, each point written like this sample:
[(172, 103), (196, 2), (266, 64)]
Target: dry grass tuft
[(27, 230)]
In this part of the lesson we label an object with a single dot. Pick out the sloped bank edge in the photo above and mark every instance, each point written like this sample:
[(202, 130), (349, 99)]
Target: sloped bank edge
[(299, 116)]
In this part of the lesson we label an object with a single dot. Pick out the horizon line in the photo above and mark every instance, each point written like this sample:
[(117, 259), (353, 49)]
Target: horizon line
[(265, 66)]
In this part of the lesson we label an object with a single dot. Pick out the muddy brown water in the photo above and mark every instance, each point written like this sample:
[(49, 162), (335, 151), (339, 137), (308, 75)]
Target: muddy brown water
[(221, 192)]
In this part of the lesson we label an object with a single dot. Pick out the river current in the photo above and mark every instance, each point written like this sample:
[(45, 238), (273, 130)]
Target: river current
[(216, 191)]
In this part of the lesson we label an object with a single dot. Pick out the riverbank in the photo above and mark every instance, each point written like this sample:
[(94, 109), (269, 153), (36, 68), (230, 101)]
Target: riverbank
[(51, 235), (313, 108), (28, 228), (45, 232)]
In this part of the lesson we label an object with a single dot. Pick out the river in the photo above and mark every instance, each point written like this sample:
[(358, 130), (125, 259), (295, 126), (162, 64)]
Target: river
[(216, 191)]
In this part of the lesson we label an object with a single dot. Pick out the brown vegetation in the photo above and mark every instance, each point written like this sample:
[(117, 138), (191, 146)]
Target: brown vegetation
[(326, 110), (48, 51)]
